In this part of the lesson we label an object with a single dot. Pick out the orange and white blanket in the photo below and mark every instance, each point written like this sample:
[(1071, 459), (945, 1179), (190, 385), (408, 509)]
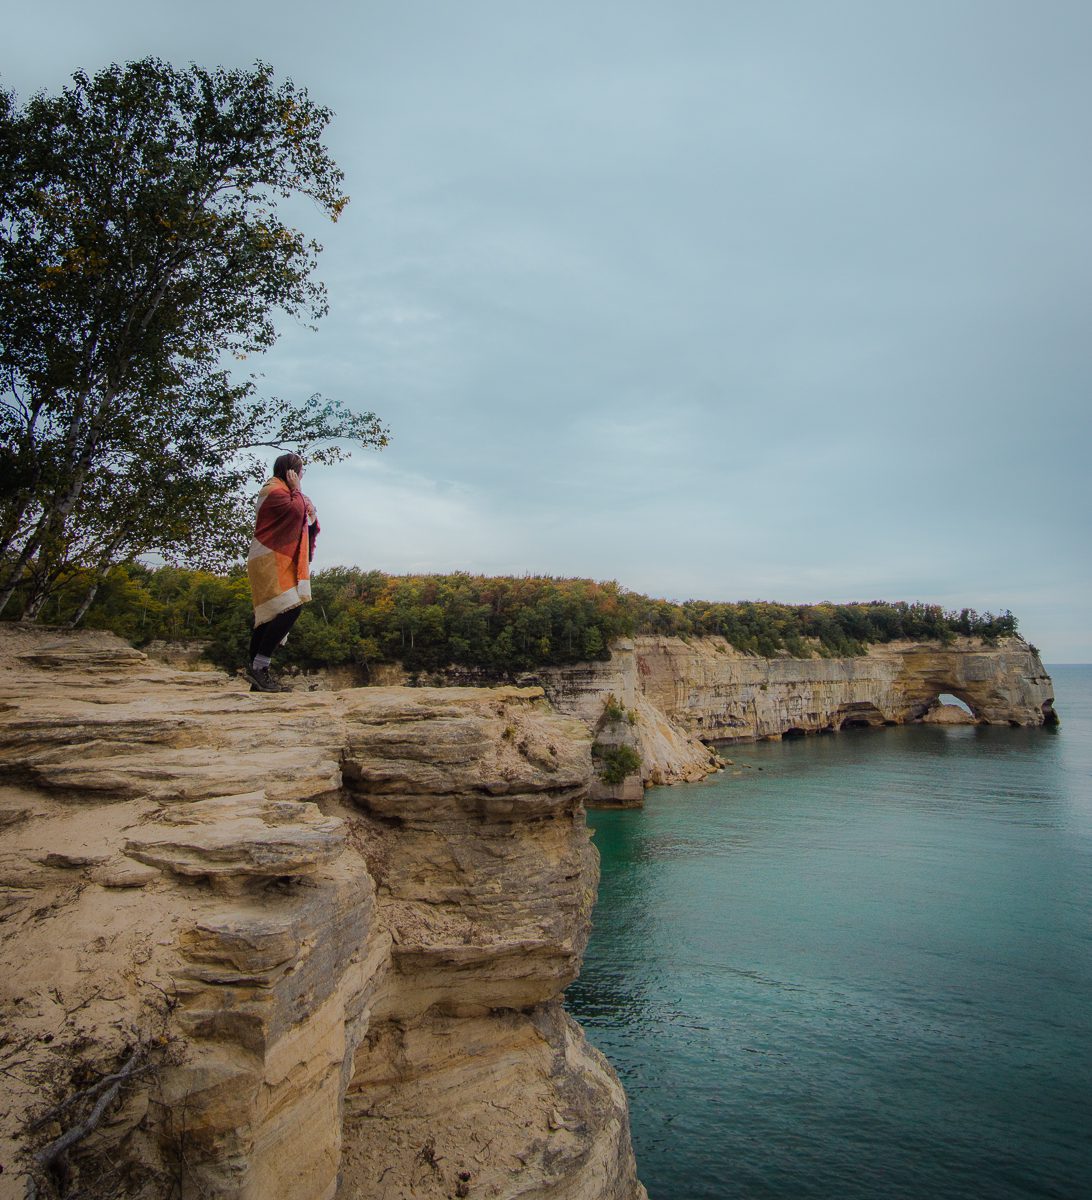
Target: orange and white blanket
[(279, 563)]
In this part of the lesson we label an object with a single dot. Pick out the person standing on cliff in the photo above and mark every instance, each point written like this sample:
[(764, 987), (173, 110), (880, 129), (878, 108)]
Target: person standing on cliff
[(279, 565)]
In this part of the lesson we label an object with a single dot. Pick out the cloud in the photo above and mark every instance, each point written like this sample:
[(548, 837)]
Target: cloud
[(376, 516), (708, 301)]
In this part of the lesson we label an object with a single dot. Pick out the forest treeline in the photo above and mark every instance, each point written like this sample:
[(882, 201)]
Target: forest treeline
[(496, 626)]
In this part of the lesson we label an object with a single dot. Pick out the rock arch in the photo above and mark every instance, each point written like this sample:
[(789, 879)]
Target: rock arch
[(933, 699), (1002, 684)]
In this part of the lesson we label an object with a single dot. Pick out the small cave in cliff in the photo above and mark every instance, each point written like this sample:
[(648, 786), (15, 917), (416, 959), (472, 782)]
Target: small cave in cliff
[(861, 715), (794, 732)]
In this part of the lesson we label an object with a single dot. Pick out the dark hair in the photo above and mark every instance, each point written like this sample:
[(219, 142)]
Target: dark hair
[(286, 463)]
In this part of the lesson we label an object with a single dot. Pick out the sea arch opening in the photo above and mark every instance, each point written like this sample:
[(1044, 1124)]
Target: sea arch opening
[(944, 693)]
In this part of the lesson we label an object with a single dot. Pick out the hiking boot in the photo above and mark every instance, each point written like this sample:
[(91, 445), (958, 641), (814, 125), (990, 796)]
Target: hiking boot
[(262, 681)]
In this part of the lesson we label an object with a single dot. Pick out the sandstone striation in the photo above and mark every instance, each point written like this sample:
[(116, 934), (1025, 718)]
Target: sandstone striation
[(686, 692), (324, 935)]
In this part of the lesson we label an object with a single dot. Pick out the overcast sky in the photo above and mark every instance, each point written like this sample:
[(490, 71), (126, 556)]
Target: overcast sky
[(773, 300)]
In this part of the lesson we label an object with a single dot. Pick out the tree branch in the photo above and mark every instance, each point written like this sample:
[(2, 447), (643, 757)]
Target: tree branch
[(50, 1156), (95, 1089)]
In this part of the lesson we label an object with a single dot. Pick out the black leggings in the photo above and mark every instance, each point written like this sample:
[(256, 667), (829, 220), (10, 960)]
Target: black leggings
[(268, 636)]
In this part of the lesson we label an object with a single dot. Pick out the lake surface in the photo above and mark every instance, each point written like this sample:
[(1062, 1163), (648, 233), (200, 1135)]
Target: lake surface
[(857, 966)]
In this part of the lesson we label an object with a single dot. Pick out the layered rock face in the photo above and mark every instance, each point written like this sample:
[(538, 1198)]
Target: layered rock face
[(669, 752), (328, 931), (712, 689), (703, 688)]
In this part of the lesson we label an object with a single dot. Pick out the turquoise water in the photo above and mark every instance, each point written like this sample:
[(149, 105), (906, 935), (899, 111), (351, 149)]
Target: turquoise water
[(861, 967)]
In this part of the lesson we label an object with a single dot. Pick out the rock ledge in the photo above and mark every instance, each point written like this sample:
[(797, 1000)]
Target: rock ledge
[(336, 925)]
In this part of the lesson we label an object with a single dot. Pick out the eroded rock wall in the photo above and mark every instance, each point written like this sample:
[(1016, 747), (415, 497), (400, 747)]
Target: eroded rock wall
[(711, 689), (334, 927), (670, 752), (684, 692)]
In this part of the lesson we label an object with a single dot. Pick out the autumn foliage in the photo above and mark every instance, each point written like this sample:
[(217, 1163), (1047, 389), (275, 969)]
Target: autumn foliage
[(494, 626)]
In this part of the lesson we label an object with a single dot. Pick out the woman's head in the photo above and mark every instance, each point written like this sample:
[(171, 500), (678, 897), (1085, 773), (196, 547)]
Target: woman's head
[(286, 463)]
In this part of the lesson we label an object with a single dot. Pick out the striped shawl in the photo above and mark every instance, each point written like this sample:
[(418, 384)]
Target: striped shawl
[(279, 563)]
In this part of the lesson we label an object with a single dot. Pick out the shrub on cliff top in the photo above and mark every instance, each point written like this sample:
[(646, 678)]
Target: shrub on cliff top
[(616, 763)]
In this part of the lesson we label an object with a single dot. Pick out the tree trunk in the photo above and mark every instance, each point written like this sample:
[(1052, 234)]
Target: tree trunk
[(50, 524), (10, 579), (102, 569), (14, 521), (36, 603), (88, 600), (24, 498), (58, 508)]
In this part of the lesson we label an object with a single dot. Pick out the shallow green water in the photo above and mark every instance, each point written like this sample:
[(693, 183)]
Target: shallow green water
[(861, 967)]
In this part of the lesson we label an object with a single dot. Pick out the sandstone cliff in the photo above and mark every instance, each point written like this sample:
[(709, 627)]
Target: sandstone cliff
[(322, 936), (683, 693)]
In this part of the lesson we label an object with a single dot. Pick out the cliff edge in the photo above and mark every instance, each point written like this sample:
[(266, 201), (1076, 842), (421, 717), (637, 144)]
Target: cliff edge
[(304, 945)]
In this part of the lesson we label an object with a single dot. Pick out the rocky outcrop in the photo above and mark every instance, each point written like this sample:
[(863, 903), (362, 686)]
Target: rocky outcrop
[(712, 689), (669, 752), (682, 693), (948, 714), (326, 934)]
